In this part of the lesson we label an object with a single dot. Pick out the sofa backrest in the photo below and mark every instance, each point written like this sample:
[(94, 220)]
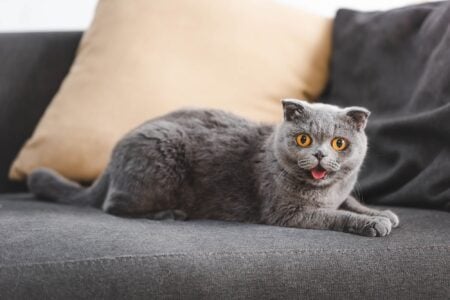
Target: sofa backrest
[(32, 66)]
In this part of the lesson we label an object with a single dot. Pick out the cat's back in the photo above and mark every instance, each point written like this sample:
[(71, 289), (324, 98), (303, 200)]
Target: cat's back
[(205, 126), (212, 120), (220, 133), (203, 131)]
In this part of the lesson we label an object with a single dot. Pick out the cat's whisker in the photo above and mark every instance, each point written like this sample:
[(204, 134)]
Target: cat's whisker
[(282, 173)]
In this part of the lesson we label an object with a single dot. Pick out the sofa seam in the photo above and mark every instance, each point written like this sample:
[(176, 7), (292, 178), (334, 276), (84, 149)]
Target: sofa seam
[(107, 259)]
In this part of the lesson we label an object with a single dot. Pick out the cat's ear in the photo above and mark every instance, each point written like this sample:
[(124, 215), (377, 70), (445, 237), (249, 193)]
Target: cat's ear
[(293, 109), (357, 116)]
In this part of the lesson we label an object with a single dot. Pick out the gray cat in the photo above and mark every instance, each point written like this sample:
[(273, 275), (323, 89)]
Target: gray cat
[(211, 164)]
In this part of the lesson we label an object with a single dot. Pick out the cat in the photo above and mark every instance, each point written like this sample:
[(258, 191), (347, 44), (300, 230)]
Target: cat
[(210, 164)]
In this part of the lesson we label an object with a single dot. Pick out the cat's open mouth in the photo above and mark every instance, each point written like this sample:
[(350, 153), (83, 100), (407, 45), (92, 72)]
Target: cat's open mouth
[(318, 173)]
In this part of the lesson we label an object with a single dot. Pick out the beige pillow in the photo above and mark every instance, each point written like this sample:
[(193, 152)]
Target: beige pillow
[(140, 59)]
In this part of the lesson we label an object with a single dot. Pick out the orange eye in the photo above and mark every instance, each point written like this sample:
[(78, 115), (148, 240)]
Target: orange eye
[(339, 144), (303, 140)]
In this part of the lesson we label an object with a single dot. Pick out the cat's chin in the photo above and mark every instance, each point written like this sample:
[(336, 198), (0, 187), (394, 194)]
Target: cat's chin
[(320, 182)]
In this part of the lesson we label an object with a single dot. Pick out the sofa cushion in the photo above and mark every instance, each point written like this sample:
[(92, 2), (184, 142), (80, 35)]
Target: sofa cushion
[(32, 66), (141, 59), (62, 252), (397, 64)]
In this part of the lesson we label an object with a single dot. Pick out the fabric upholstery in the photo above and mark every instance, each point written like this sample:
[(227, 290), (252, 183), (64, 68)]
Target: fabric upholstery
[(32, 68), (61, 252), (136, 62), (397, 64)]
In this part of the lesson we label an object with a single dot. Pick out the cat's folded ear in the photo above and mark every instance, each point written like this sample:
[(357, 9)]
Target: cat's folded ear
[(357, 116), (294, 109)]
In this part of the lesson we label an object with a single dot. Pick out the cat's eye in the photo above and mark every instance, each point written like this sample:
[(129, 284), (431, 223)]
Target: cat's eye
[(339, 144), (303, 140)]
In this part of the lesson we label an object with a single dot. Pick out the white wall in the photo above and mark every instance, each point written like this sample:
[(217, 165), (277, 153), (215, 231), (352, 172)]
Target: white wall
[(329, 7), (42, 15)]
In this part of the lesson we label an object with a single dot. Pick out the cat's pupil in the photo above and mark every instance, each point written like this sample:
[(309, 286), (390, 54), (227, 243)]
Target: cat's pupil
[(339, 143), (303, 139)]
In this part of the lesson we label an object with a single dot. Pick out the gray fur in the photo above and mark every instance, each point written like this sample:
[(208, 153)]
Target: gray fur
[(210, 164)]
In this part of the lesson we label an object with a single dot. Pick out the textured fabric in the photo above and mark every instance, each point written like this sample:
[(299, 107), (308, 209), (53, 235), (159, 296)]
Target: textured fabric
[(62, 252), (397, 64), (141, 59), (32, 67)]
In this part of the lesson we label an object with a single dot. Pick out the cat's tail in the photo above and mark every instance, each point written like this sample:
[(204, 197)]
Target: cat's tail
[(49, 185)]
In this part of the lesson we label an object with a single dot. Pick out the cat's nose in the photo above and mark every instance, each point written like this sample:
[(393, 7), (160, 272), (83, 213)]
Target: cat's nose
[(319, 155)]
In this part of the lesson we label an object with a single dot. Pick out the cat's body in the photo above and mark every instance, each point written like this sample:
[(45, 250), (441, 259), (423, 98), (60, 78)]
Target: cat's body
[(210, 164)]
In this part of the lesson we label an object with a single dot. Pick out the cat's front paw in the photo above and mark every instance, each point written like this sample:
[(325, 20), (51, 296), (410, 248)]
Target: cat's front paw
[(391, 216), (377, 226)]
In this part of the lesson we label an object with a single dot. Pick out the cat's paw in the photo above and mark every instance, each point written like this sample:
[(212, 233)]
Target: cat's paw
[(391, 216), (377, 226)]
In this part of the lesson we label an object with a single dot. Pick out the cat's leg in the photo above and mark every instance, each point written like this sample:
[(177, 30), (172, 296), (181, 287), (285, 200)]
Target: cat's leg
[(351, 204), (124, 204), (338, 220), (147, 171)]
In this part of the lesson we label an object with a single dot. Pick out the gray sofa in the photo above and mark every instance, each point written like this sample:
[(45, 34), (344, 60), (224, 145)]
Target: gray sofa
[(51, 251)]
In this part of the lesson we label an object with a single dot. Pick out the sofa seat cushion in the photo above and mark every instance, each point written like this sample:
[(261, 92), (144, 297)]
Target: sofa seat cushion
[(61, 252)]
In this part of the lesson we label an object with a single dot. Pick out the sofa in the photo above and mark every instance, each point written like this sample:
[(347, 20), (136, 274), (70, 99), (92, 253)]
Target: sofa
[(53, 251)]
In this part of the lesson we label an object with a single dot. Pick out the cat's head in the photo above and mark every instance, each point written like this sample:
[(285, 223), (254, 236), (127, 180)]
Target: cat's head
[(321, 143)]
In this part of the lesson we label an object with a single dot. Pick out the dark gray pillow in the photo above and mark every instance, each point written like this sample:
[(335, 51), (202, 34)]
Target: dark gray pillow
[(397, 64)]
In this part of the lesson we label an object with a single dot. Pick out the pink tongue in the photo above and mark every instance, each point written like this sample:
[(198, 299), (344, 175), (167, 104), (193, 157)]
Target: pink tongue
[(318, 174)]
